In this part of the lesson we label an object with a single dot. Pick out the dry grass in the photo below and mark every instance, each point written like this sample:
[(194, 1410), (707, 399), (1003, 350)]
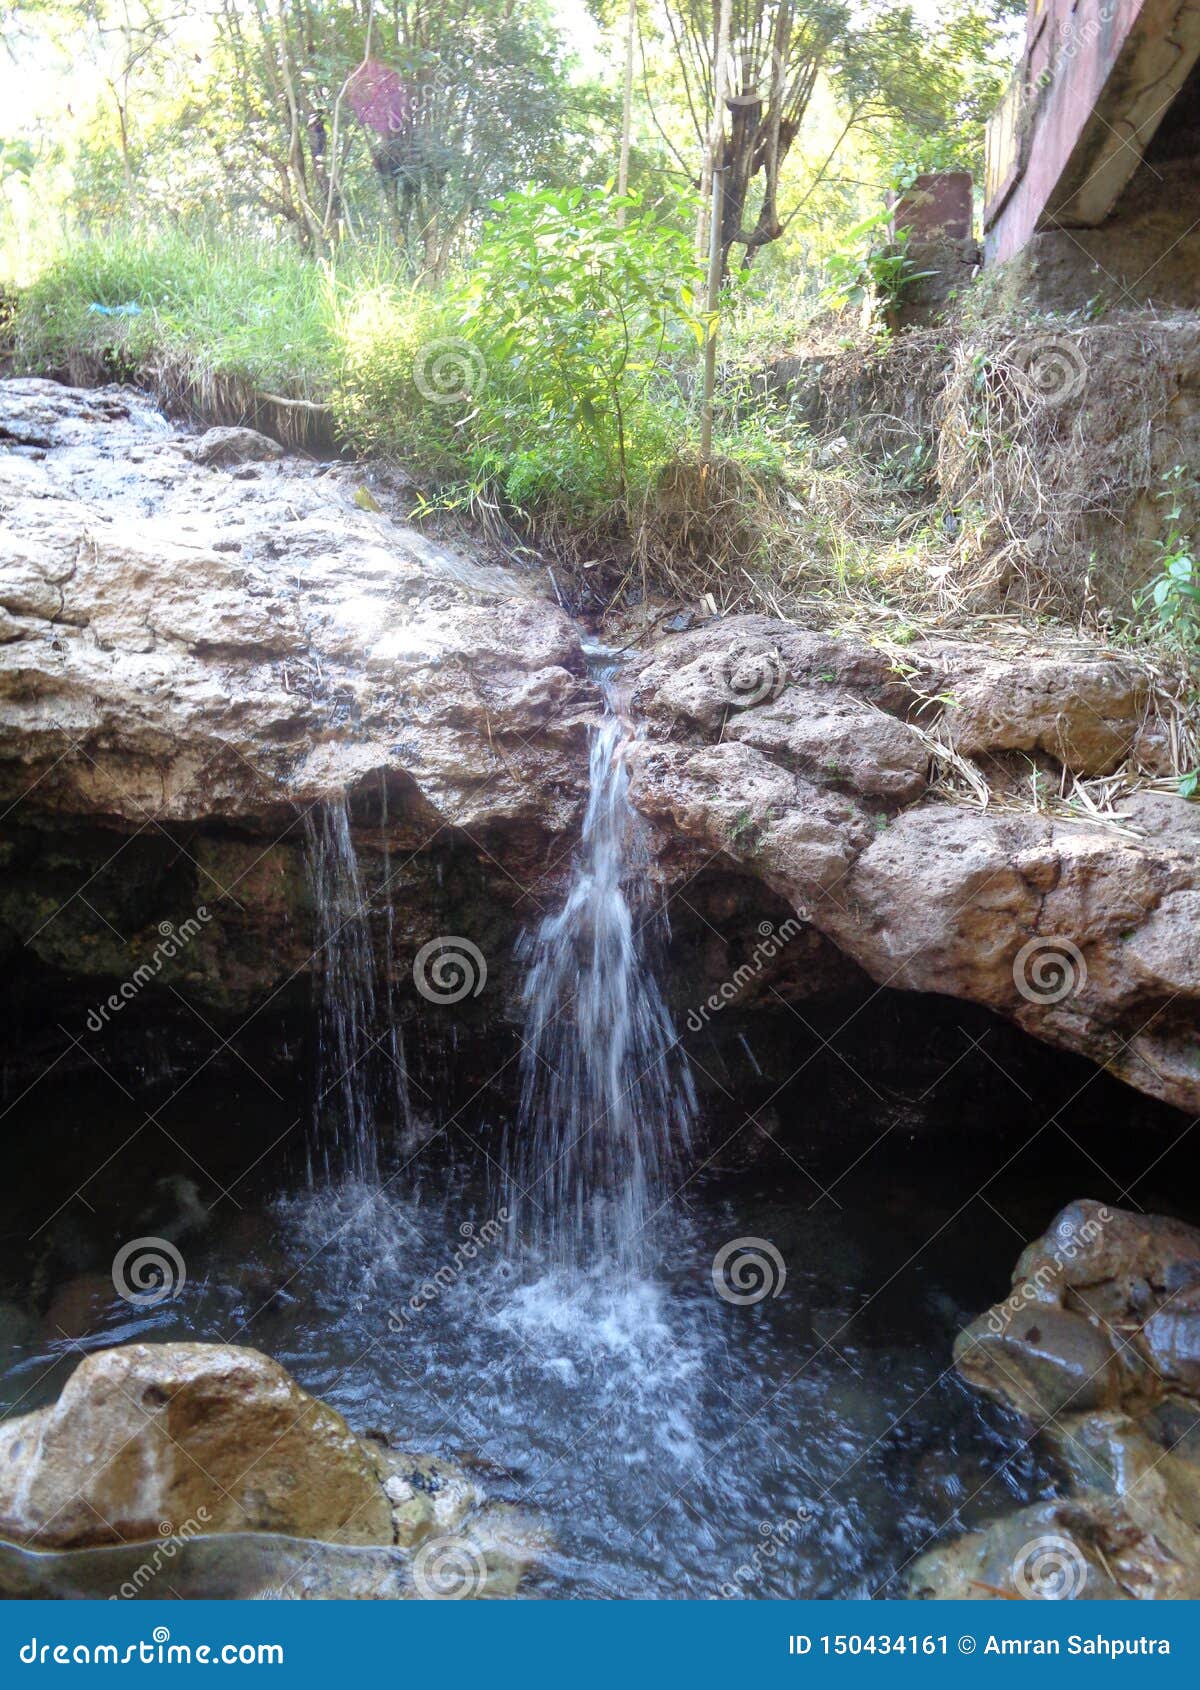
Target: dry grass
[(1000, 466)]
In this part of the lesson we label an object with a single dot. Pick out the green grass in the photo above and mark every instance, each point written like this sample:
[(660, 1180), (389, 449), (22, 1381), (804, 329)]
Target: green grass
[(539, 385), (220, 325)]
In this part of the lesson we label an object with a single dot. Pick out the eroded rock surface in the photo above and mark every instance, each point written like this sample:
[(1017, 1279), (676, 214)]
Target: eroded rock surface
[(215, 1434), (199, 639), (797, 756), (183, 643)]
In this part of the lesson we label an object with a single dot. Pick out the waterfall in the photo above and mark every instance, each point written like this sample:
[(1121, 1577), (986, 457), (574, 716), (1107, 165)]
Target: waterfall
[(394, 1037), (606, 1100), (346, 1092)]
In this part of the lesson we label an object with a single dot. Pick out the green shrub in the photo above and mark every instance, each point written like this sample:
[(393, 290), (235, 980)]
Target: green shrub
[(1170, 602), (546, 373)]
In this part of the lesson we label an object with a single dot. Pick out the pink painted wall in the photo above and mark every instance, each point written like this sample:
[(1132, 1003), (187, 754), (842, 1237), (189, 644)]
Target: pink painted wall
[(1071, 50)]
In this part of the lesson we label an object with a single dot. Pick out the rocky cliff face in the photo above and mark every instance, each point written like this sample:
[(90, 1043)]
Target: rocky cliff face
[(806, 759), (202, 639)]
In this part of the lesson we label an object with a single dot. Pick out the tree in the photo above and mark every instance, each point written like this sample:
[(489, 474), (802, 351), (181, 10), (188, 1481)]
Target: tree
[(419, 114), (884, 63)]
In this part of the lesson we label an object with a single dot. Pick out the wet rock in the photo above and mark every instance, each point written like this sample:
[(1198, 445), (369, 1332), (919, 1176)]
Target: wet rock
[(1172, 1338), (1117, 1263), (207, 1464), (1043, 1361), (1051, 1552), (225, 447), (148, 1436), (427, 1495), (1104, 1311), (1098, 1344)]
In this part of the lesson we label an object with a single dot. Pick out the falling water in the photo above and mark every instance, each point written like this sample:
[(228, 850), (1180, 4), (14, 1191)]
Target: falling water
[(393, 1044), (607, 1102), (345, 1095)]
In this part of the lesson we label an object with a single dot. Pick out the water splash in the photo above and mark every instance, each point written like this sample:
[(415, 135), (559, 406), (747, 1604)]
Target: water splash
[(606, 1102)]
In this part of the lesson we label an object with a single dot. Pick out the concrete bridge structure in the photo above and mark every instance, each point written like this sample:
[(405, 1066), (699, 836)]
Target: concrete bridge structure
[(1093, 158)]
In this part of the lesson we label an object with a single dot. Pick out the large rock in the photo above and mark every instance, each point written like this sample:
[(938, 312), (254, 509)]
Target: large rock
[(181, 644), (188, 659), (1104, 1312), (155, 1453), (148, 1437), (802, 758)]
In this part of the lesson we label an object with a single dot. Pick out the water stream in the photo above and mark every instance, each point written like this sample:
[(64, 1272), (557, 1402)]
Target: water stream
[(360, 1069), (606, 1099)]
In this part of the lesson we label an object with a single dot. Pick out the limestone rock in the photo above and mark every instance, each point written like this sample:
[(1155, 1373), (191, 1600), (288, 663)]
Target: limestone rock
[(183, 646), (147, 1437), (1082, 934), (840, 739), (181, 650), (228, 446), (1085, 711)]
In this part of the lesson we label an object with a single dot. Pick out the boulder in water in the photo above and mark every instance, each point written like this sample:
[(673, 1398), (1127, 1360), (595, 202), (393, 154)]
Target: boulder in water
[(148, 1437), (1100, 1340)]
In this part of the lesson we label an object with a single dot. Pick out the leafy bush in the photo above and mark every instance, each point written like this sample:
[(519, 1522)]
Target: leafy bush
[(546, 372), (871, 271), (1171, 600)]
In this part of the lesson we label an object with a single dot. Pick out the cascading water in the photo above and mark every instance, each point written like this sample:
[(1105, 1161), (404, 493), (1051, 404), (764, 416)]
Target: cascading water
[(607, 1101), (675, 1442), (393, 1041), (354, 1040)]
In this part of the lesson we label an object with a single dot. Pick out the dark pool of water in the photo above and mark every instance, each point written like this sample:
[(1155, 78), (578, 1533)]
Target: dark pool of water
[(807, 1444)]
